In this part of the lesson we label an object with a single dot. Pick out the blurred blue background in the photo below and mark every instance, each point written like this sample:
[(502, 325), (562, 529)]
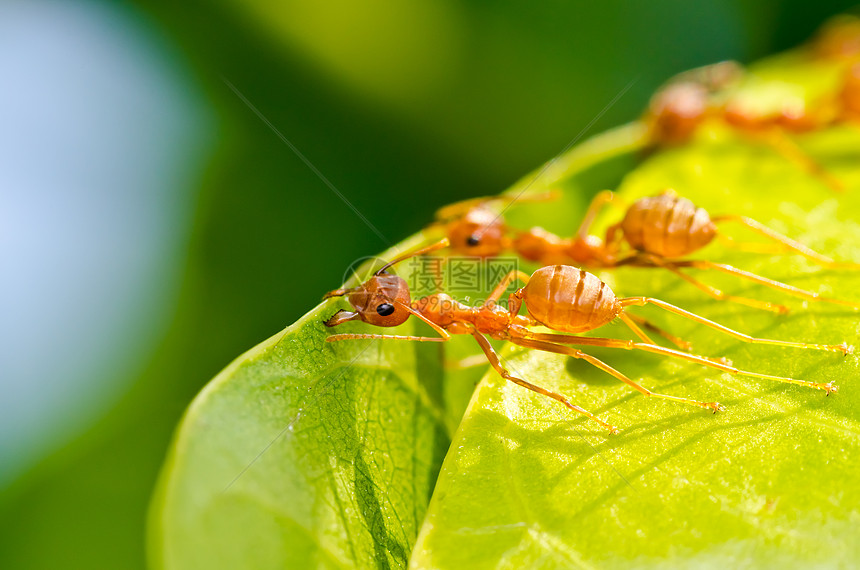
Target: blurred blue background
[(152, 227)]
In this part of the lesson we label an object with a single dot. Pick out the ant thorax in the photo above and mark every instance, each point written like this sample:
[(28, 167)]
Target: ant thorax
[(492, 318), (589, 251), (542, 246), (449, 313), (442, 309)]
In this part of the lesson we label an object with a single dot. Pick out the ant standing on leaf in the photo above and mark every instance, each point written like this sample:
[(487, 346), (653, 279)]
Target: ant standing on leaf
[(654, 232), (679, 110), (562, 298), (658, 231), (710, 93)]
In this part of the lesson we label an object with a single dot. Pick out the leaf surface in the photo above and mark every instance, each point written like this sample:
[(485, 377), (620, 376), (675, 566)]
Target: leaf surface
[(772, 481), (301, 454), (304, 453)]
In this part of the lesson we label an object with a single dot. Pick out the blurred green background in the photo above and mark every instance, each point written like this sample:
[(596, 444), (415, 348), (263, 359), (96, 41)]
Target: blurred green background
[(152, 227)]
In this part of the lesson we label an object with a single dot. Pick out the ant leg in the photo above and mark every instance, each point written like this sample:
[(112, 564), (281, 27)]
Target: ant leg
[(546, 196), (641, 301), (459, 209), (505, 282), (613, 239), (680, 343), (566, 350), (784, 287), (635, 328), (557, 339), (789, 149), (597, 204), (415, 253), (465, 363), (752, 247), (515, 299), (354, 336), (795, 246), (443, 334), (713, 291), (496, 363)]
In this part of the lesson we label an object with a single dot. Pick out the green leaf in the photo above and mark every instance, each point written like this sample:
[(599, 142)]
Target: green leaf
[(772, 481), (304, 453)]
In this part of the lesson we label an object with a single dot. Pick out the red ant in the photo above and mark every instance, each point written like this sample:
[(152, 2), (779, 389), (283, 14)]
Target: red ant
[(658, 230), (678, 111), (561, 298)]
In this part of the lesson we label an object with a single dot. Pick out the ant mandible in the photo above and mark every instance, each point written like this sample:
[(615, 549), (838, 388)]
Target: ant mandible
[(658, 230), (562, 298)]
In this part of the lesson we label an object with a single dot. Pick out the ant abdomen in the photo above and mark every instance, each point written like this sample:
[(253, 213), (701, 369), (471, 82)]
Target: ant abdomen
[(570, 300), (667, 225)]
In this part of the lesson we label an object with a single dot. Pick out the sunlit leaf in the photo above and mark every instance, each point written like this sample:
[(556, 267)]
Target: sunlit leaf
[(304, 453), (770, 482)]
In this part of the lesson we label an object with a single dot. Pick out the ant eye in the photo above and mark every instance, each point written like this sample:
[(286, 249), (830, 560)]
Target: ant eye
[(385, 309), (473, 240)]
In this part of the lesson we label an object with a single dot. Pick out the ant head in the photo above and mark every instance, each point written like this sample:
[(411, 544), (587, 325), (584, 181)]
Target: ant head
[(383, 300), (479, 232), (677, 110), (379, 301)]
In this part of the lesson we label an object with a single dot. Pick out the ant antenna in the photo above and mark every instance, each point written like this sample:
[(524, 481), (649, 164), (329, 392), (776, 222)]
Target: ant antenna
[(457, 209), (427, 249)]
